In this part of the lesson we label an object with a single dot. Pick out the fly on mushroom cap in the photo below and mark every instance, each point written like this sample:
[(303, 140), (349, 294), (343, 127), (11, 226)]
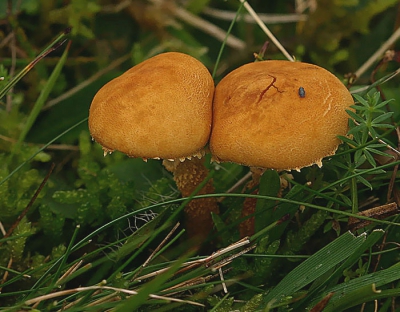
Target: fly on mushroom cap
[(260, 120), (160, 108)]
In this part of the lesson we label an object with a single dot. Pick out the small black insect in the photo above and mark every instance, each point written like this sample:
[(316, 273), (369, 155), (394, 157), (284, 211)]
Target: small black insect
[(302, 92)]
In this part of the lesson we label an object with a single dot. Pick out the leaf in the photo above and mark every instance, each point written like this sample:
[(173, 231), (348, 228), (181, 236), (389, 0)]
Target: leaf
[(355, 116), (42, 99), (360, 99), (269, 186), (347, 140), (382, 118), (370, 241), (361, 289), (369, 158), (365, 182), (318, 264), (152, 287)]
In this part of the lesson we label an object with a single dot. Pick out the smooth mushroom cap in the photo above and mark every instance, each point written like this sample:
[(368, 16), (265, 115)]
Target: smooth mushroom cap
[(279, 115), (160, 108)]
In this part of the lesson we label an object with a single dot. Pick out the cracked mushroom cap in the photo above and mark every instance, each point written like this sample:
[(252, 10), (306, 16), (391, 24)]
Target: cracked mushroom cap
[(279, 115), (160, 108)]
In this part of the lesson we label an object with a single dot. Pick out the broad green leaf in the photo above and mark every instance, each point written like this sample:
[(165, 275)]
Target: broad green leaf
[(361, 289), (382, 117), (332, 280), (319, 263)]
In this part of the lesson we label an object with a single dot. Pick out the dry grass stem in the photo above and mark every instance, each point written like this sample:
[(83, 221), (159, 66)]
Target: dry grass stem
[(303, 5), (221, 276), (266, 18), (395, 73), (71, 270), (378, 53), (29, 205), (239, 183), (164, 241), (266, 30), (209, 28), (392, 181), (381, 141), (2, 229), (5, 275), (87, 82), (207, 260), (62, 147), (108, 298), (121, 290), (117, 7)]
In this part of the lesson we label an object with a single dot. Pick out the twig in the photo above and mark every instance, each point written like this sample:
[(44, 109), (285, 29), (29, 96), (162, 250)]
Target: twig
[(208, 28), (302, 5), (229, 259), (207, 260), (6, 40), (117, 7), (221, 276), (381, 141), (122, 290), (62, 147), (395, 169), (2, 229), (25, 211), (71, 270), (156, 250), (13, 43), (12, 70), (240, 182), (266, 18), (377, 54), (87, 82), (395, 73), (237, 184), (266, 30), (5, 275), (59, 41)]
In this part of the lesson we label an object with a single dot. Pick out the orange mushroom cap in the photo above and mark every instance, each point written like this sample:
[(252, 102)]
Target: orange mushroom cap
[(278, 114), (160, 108)]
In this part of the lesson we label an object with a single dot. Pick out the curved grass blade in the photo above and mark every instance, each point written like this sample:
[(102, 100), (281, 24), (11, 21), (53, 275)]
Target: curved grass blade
[(53, 46)]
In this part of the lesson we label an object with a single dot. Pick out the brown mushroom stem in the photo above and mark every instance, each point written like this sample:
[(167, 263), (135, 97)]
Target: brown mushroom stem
[(188, 175), (246, 227)]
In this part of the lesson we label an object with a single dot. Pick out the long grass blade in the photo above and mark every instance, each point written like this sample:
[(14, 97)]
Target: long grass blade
[(44, 94), (315, 266)]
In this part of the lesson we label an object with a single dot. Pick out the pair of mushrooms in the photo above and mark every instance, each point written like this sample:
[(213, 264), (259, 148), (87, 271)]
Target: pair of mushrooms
[(271, 114)]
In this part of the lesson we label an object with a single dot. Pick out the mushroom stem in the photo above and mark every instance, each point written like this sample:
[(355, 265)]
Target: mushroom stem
[(188, 175), (246, 227)]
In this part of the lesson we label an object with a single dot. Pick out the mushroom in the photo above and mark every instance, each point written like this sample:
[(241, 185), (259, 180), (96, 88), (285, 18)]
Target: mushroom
[(161, 108), (279, 115)]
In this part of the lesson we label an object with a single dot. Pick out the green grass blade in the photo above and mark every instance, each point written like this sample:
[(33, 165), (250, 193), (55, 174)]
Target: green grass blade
[(224, 42), (151, 287), (41, 149), (315, 266), (44, 94), (53, 46), (328, 282), (360, 290)]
